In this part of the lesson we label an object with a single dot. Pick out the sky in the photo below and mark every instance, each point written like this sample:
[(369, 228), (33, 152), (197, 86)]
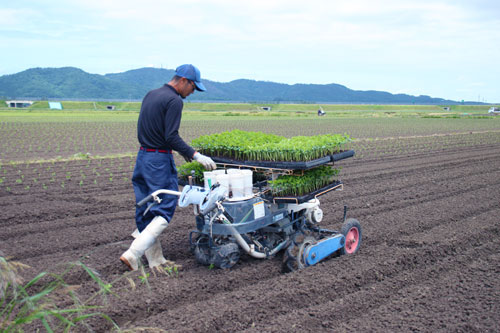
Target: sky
[(440, 48)]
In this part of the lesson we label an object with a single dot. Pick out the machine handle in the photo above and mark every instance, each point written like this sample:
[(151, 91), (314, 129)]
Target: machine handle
[(149, 207), (143, 201), (155, 194)]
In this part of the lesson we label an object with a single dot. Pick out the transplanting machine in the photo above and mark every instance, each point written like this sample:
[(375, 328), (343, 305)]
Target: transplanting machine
[(237, 213)]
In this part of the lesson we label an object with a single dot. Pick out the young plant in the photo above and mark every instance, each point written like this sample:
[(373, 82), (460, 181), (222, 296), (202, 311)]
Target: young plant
[(298, 185), (35, 301), (184, 171), (258, 146)]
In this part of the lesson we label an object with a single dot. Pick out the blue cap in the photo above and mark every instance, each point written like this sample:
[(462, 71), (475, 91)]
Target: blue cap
[(192, 73)]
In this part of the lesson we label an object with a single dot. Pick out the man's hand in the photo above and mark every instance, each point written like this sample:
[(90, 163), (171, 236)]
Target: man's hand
[(206, 161)]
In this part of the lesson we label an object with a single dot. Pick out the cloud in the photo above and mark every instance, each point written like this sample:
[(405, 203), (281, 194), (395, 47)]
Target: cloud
[(13, 18), (384, 44)]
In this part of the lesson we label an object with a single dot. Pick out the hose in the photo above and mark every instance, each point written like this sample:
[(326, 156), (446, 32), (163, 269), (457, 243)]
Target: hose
[(250, 249)]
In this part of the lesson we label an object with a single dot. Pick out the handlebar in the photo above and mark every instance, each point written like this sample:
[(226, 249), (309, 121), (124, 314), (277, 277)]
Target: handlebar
[(143, 201), (154, 196)]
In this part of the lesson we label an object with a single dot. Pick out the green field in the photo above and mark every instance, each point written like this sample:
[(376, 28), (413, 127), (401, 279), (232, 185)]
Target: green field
[(37, 133), (231, 109)]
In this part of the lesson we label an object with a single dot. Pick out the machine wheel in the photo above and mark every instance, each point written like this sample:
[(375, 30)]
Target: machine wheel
[(289, 259), (293, 259), (201, 250), (351, 230), (227, 255), (202, 254), (290, 255)]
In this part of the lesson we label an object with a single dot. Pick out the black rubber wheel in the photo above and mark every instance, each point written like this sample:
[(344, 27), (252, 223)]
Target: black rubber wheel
[(202, 254), (201, 250), (290, 263), (197, 240), (227, 255), (351, 229)]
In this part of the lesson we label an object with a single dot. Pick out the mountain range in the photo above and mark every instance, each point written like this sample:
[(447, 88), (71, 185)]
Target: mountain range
[(74, 83)]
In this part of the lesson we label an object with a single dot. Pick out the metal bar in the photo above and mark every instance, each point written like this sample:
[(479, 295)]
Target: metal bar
[(239, 166), (287, 198), (328, 190)]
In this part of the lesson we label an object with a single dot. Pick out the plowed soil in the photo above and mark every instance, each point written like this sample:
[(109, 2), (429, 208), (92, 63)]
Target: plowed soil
[(430, 258)]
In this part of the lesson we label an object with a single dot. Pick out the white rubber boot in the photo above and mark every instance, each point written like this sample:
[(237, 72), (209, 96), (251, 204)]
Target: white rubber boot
[(136, 233), (143, 242), (154, 254)]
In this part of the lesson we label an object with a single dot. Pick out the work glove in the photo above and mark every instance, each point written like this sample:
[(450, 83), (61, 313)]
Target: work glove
[(206, 161)]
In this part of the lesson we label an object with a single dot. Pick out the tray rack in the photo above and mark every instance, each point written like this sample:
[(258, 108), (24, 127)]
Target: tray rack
[(335, 186), (282, 165), (278, 168)]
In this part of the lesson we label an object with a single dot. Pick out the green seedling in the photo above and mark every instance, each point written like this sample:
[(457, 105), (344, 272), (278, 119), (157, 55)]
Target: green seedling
[(258, 146), (184, 171), (23, 304), (301, 184), (144, 278)]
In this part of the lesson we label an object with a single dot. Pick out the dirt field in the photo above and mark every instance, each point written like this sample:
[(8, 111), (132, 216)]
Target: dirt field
[(430, 258)]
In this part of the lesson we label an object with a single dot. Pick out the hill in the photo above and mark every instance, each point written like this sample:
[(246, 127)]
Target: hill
[(74, 83)]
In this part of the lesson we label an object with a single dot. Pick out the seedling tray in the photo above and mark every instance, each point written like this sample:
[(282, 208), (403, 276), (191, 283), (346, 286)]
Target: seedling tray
[(342, 155), (338, 185), (288, 165)]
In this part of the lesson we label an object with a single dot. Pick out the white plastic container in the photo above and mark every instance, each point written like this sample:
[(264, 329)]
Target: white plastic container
[(237, 182), (224, 181), (237, 185), (241, 183), (248, 182), (210, 177)]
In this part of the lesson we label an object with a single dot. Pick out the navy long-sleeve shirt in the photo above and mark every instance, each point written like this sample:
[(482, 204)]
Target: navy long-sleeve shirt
[(159, 121)]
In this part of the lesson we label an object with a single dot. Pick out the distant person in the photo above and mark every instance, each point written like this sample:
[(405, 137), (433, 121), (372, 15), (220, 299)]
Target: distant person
[(158, 134)]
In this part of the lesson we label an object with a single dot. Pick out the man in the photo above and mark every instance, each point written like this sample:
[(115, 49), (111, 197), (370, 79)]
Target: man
[(158, 134)]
